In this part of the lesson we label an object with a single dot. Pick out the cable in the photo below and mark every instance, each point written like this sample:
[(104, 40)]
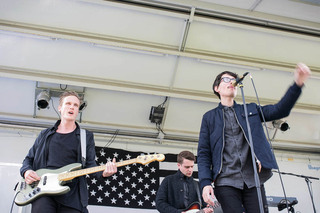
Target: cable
[(64, 88), (165, 100), (111, 139), (13, 201), (159, 128), (55, 108), (267, 132)]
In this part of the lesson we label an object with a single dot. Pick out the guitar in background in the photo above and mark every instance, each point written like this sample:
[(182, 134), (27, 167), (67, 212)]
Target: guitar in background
[(195, 207)]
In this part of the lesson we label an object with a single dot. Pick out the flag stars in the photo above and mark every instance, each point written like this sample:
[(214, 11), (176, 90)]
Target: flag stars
[(99, 200), (93, 181), (120, 183), (133, 185), (147, 197), (113, 201), (115, 155), (106, 194), (127, 190), (102, 153), (153, 180), (93, 193), (133, 196), (100, 188), (146, 175), (140, 180), (146, 186), (120, 195), (114, 189), (140, 203)]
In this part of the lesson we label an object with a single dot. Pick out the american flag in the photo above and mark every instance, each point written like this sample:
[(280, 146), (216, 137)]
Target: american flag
[(134, 185)]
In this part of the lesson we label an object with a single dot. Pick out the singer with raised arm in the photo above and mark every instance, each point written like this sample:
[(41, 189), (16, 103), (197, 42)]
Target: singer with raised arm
[(224, 158), (60, 146)]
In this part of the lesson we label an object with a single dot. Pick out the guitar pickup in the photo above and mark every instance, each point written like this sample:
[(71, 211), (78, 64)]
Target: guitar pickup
[(45, 180)]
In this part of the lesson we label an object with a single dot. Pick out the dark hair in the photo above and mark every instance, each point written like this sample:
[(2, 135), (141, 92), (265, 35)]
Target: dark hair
[(218, 80), (185, 155), (67, 94)]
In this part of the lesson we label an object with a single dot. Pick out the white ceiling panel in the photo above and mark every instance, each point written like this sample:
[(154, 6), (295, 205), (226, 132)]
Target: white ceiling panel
[(291, 8), (96, 19), (252, 43), (129, 56)]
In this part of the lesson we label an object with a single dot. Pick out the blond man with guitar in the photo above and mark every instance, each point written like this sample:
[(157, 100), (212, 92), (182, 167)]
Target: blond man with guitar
[(56, 147)]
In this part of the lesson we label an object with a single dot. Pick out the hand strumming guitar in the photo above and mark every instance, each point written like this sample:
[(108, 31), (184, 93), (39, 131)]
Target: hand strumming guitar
[(30, 176)]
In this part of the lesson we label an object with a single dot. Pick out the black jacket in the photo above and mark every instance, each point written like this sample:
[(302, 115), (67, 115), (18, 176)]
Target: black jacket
[(170, 195), (37, 157), (211, 139)]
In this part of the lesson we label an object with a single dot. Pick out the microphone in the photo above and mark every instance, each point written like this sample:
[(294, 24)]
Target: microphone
[(239, 80)]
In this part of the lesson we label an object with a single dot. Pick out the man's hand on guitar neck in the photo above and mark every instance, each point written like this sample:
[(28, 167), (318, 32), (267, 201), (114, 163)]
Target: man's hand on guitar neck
[(111, 168), (30, 176)]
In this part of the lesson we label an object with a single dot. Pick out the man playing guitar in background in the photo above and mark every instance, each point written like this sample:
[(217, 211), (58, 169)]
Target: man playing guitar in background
[(178, 192)]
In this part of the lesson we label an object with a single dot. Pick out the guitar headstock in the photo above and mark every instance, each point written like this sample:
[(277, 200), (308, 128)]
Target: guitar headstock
[(145, 159)]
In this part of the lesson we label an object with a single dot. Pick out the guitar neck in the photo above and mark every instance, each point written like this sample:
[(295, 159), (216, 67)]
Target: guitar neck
[(71, 175)]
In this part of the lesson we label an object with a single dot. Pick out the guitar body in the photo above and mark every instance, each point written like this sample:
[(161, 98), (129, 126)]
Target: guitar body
[(194, 208), (49, 184)]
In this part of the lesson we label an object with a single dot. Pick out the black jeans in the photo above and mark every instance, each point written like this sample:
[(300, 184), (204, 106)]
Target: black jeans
[(49, 205), (235, 200)]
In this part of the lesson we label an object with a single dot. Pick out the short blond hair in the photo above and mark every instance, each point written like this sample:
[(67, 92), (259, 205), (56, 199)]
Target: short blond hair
[(67, 94)]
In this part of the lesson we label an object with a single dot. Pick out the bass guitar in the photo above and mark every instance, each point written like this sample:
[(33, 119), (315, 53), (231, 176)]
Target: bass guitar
[(52, 180)]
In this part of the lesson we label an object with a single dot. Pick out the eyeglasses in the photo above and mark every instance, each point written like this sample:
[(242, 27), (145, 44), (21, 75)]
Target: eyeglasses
[(227, 79)]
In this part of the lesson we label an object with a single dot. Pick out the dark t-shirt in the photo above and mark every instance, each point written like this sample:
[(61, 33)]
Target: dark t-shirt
[(63, 150)]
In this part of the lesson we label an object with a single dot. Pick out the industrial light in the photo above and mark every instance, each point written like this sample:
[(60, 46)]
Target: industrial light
[(83, 106), (280, 124), (43, 99), (156, 114)]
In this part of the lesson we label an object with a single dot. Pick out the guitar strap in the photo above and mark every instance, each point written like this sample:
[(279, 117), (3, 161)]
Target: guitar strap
[(196, 185), (83, 141)]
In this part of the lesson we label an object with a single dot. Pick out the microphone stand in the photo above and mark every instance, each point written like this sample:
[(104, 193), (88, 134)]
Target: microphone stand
[(256, 177), (307, 179)]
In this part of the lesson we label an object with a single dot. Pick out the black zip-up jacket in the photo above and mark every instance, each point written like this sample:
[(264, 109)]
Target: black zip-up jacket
[(37, 157)]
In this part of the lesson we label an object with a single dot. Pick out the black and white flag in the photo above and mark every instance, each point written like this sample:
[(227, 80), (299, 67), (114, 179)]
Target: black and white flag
[(134, 185)]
